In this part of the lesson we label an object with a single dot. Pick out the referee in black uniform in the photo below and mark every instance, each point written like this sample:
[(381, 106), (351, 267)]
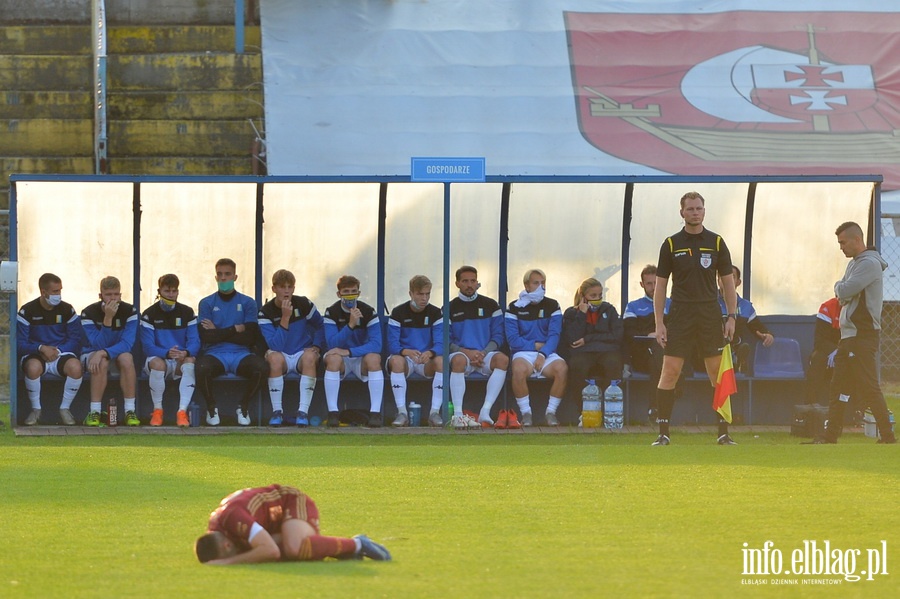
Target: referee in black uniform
[(692, 257)]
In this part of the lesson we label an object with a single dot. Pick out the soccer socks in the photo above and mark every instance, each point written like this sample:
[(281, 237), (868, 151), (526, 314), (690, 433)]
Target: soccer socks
[(437, 393), (318, 547), (276, 390), (398, 386), (157, 387), (129, 404), (307, 388), (457, 388), (69, 391), (553, 405), (332, 387), (524, 404), (33, 387), (492, 391), (376, 390), (96, 406), (186, 386), (665, 398), (723, 426)]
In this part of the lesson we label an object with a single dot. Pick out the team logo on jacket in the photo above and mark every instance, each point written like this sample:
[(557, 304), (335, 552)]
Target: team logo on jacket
[(741, 92), (705, 260)]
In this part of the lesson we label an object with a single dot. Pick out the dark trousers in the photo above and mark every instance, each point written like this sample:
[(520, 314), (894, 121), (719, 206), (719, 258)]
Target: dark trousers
[(254, 368), (818, 378), (602, 366), (856, 371)]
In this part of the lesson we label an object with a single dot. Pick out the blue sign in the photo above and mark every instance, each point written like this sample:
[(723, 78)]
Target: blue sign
[(448, 170)]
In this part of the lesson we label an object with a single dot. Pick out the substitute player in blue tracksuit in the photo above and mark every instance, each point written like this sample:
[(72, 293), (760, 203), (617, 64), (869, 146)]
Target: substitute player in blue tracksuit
[(415, 334), (533, 328)]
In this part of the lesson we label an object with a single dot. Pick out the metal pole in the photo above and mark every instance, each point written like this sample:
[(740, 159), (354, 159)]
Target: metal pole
[(238, 26)]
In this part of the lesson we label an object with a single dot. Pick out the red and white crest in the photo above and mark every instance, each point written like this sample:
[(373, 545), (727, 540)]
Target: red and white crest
[(741, 92)]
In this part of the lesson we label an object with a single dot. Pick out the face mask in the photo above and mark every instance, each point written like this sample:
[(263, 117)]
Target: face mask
[(595, 303), (226, 287), (349, 301), (54, 300), (166, 304)]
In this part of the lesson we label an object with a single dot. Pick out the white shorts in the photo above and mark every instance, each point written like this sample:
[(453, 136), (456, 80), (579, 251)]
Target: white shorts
[(411, 368), (113, 365), (171, 368), (532, 356), (52, 367), (354, 366), (292, 360), (485, 367)]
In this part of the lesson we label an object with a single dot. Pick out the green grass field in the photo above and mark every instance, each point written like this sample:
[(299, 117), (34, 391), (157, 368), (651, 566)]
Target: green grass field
[(464, 515)]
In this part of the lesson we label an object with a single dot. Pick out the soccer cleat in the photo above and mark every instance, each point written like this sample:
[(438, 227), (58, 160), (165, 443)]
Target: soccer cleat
[(464, 421), (527, 419), (375, 420), (661, 440), (470, 421), (725, 440), (334, 419), (372, 550), (181, 418), (33, 418), (484, 418), (243, 417), (212, 417), (156, 418), (512, 421), (131, 419), (66, 416), (302, 419), (434, 419), (402, 419), (92, 419), (277, 418), (502, 420), (552, 420)]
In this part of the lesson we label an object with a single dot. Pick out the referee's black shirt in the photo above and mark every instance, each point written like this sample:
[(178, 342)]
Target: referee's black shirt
[(692, 262)]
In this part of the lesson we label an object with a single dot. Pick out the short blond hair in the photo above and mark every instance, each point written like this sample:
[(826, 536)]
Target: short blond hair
[(283, 277), (109, 282), (530, 272), (419, 282)]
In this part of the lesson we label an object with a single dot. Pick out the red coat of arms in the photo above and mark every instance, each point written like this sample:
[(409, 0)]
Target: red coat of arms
[(742, 92)]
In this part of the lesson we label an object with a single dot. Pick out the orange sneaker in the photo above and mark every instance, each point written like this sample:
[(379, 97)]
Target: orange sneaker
[(512, 420), (181, 418), (156, 418), (502, 420)]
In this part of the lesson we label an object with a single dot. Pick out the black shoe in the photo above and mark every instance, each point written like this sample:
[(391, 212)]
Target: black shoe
[(725, 440), (334, 419), (375, 420), (819, 441), (661, 440)]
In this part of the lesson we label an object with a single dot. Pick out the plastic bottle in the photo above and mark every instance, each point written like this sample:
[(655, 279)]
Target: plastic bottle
[(613, 400), (591, 415), (113, 412), (194, 413)]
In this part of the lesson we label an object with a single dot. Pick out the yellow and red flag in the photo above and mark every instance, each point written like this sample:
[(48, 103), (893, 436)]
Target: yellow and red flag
[(726, 385)]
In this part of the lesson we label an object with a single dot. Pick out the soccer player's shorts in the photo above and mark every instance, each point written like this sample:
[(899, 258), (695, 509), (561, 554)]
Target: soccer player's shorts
[(113, 367), (292, 360), (694, 327), (485, 367), (411, 367), (230, 359), (354, 366), (297, 505), (55, 367), (531, 357), (171, 368)]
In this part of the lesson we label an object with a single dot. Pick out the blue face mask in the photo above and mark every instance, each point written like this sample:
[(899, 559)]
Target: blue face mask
[(226, 287), (166, 305), (349, 301)]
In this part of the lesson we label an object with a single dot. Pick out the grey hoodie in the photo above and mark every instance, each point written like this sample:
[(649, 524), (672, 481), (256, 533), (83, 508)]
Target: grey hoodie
[(861, 292)]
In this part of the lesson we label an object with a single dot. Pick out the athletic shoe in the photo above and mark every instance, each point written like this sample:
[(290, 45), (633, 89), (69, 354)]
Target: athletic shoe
[(402, 419), (464, 420), (334, 419), (484, 419), (131, 419), (66, 416), (725, 440), (552, 420), (661, 440), (434, 419), (243, 417), (375, 420), (92, 419), (372, 550), (277, 418), (502, 420), (156, 418), (302, 419), (34, 417), (181, 418), (512, 421), (212, 417), (527, 419)]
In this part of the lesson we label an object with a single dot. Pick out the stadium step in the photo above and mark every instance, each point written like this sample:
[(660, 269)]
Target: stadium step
[(184, 72), (182, 165), (159, 105), (45, 39), (45, 73), (180, 137), (30, 104), (179, 38), (46, 137)]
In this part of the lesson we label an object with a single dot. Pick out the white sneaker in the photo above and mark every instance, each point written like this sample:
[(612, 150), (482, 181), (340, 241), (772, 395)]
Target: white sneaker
[(458, 421), (212, 419), (243, 417), (402, 419), (470, 422)]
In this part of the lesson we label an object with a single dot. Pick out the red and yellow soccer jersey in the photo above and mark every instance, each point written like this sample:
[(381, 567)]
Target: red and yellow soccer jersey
[(267, 506)]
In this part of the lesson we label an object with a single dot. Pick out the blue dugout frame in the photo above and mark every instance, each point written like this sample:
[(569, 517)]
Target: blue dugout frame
[(873, 236)]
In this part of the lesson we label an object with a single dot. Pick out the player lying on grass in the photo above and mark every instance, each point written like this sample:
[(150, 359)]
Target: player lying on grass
[(275, 523)]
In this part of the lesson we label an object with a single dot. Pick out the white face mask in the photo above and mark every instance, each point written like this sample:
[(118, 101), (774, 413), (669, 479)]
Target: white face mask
[(54, 300)]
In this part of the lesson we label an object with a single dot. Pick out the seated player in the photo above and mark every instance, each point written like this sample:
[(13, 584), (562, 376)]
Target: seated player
[(415, 331), (747, 327), (171, 343), (275, 523), (110, 331), (292, 328)]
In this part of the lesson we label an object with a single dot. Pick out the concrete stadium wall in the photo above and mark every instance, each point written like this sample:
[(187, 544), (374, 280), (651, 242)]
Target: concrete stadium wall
[(119, 12)]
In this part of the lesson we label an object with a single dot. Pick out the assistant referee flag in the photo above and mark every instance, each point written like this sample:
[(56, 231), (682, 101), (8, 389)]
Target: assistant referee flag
[(726, 385)]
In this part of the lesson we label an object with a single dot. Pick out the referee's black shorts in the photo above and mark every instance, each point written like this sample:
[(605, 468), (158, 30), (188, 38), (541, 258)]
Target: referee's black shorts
[(694, 329)]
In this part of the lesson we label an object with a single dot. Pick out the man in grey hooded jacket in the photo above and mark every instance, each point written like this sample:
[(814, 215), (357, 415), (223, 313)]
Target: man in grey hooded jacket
[(860, 293)]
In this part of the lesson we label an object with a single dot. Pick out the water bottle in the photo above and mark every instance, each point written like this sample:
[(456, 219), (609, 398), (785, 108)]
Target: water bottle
[(613, 400), (591, 416), (113, 415), (194, 413)]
